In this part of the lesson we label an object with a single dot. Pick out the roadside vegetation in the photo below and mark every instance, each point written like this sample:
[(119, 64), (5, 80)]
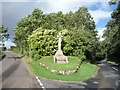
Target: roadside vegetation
[(112, 35), (14, 50), (111, 62), (35, 36), (2, 55), (86, 71), (3, 37)]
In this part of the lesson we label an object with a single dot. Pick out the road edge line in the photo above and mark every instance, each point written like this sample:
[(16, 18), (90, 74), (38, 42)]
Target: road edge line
[(40, 83), (115, 69)]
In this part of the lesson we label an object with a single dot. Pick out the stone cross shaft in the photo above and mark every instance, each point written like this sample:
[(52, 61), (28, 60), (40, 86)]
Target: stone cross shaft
[(59, 40)]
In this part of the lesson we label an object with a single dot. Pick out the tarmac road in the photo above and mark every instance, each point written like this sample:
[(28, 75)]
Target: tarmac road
[(15, 73)]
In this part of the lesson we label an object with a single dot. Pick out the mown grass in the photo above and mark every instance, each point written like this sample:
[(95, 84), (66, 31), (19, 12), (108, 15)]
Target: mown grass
[(49, 61), (85, 72)]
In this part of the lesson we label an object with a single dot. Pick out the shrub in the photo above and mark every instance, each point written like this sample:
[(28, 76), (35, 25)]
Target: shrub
[(74, 43), (35, 55), (3, 48), (2, 55), (45, 42)]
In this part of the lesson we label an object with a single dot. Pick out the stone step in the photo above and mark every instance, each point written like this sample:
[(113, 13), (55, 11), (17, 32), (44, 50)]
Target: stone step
[(61, 62)]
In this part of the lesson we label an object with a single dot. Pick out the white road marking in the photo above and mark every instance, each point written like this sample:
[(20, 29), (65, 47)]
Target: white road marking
[(95, 82), (40, 83), (116, 83), (83, 83), (113, 75), (82, 87), (101, 64), (115, 69)]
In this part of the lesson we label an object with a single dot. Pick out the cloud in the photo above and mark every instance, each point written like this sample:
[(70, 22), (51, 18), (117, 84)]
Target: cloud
[(73, 5), (67, 5), (0, 14), (14, 11), (100, 33), (104, 6), (60, 5), (9, 43), (15, 0), (55, 0), (100, 14)]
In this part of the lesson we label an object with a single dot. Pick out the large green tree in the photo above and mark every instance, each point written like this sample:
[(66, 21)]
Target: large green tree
[(54, 21), (25, 27), (100, 50), (43, 42), (79, 39), (112, 35)]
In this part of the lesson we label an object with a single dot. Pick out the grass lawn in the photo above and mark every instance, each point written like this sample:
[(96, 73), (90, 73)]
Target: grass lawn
[(85, 72), (49, 61)]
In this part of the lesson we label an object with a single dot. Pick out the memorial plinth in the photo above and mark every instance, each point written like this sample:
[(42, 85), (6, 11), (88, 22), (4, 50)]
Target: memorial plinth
[(59, 57)]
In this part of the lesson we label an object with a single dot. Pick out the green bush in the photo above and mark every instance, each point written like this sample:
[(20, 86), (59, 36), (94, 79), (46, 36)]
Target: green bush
[(2, 55), (15, 50), (3, 48), (82, 57), (45, 43), (12, 47), (35, 55)]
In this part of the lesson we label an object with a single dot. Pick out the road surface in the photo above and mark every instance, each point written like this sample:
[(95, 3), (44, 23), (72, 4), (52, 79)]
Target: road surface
[(15, 73)]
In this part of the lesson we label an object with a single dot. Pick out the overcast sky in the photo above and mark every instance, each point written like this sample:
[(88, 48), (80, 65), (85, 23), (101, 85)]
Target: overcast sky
[(14, 10)]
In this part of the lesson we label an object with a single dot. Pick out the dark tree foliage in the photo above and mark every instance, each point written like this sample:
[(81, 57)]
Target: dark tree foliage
[(112, 35), (3, 35), (79, 25), (25, 27), (100, 50)]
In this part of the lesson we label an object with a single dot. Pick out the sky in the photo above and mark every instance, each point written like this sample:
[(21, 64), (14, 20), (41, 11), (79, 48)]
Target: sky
[(13, 11)]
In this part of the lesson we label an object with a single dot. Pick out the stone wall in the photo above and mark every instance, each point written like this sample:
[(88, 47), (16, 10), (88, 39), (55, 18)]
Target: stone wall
[(61, 72)]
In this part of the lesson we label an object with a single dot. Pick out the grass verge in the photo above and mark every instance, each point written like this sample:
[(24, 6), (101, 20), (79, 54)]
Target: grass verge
[(85, 72)]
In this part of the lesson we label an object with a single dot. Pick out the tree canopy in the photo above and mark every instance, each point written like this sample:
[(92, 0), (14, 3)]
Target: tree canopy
[(37, 33), (44, 43), (112, 35)]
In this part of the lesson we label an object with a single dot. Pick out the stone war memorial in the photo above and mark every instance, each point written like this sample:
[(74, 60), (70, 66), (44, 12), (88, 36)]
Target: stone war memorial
[(59, 58)]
